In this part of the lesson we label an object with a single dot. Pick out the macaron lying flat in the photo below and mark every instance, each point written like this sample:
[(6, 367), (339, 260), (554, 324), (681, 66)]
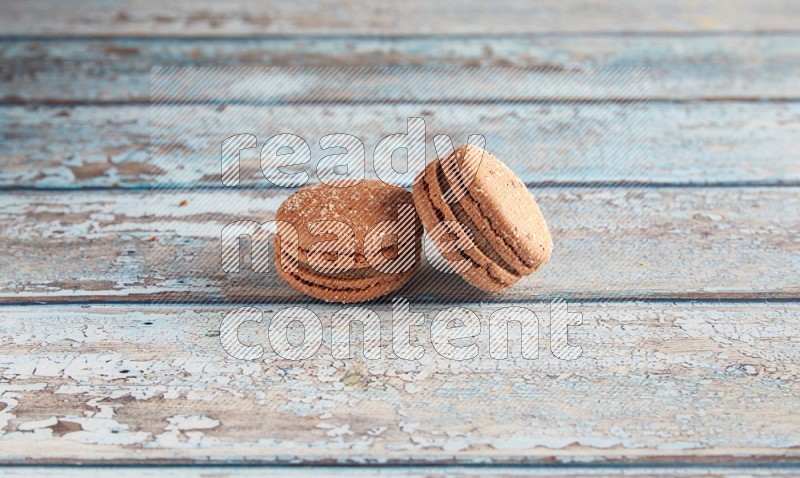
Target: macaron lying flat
[(354, 243), (509, 235)]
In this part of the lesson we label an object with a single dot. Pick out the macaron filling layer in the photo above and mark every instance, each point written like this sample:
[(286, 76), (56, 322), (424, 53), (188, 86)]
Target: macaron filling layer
[(337, 289), (333, 283)]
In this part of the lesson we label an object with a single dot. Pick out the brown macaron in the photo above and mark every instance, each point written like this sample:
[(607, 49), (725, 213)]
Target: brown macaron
[(354, 243), (509, 236)]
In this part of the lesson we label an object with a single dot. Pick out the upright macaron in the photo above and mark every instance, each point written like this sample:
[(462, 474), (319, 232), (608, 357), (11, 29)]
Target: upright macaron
[(473, 192), (354, 243)]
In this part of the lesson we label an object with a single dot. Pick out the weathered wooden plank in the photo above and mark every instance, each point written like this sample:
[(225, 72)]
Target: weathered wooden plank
[(248, 17), (686, 67), (457, 471), (618, 242), (655, 383), (673, 143)]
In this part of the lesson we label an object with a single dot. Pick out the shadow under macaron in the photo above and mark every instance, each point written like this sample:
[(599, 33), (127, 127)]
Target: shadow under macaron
[(432, 286)]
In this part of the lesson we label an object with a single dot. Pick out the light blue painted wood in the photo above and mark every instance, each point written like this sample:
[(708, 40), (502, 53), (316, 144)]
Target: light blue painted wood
[(398, 471), (683, 67), (246, 17), (680, 144), (656, 382), (728, 242), (670, 384)]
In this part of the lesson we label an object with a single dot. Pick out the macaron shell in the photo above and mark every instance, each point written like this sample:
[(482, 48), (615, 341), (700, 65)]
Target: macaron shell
[(483, 272), (360, 205), (503, 209)]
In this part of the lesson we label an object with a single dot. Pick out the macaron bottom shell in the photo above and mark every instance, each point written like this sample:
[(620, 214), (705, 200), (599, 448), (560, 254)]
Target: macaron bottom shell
[(338, 289)]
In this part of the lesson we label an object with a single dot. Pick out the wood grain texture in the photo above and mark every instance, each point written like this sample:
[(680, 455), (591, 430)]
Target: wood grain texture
[(656, 383), (248, 17), (662, 388), (694, 143), (410, 472), (682, 67), (620, 242), (457, 471)]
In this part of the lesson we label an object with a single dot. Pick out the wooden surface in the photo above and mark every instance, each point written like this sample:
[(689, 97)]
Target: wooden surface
[(675, 223), (416, 471), (729, 65), (674, 144), (621, 242), (416, 17), (122, 383)]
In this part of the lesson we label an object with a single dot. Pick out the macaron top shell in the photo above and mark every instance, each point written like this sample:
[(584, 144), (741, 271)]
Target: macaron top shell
[(359, 204), (500, 200)]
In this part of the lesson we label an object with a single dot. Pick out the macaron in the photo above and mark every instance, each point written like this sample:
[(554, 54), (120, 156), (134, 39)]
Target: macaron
[(355, 241), (471, 194)]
